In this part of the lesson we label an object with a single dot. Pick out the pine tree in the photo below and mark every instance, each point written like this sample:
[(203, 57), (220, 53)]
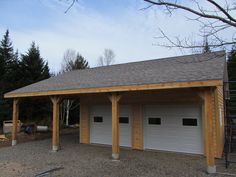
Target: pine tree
[(232, 65), (72, 61), (8, 60), (206, 47), (8, 74), (79, 63), (33, 67)]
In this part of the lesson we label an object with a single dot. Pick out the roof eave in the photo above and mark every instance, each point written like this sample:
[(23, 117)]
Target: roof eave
[(169, 85)]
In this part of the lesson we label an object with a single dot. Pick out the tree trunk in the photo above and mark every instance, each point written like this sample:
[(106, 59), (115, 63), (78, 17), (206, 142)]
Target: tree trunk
[(67, 112)]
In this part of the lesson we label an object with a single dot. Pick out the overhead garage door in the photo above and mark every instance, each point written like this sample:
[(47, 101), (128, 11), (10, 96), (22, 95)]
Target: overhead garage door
[(100, 125), (173, 128)]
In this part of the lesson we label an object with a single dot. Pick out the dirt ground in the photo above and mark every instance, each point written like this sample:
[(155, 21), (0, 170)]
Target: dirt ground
[(22, 137), (35, 157)]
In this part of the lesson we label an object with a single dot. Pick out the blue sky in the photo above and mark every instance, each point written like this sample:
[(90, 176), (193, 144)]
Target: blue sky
[(90, 27)]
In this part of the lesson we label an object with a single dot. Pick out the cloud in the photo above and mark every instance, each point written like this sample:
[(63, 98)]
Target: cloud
[(129, 33)]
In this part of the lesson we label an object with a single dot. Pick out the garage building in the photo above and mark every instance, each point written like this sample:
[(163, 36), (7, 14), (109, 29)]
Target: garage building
[(171, 104)]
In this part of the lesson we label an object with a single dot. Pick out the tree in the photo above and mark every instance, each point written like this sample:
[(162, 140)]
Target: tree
[(33, 68), (107, 59), (232, 77), (71, 61), (206, 47), (213, 17), (232, 65), (8, 73)]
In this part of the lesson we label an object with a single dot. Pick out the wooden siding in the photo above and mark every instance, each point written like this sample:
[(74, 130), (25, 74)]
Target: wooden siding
[(84, 123), (219, 122), (137, 127)]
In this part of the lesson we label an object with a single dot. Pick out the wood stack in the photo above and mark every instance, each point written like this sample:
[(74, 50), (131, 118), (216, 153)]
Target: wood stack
[(3, 138)]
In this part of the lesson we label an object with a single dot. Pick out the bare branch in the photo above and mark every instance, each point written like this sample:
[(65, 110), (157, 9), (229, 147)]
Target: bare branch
[(71, 5), (222, 10), (184, 43), (201, 14)]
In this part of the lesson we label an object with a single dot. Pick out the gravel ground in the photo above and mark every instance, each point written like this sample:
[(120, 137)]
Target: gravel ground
[(31, 158)]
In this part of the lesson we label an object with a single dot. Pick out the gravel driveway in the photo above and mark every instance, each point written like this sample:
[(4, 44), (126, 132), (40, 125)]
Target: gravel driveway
[(31, 158)]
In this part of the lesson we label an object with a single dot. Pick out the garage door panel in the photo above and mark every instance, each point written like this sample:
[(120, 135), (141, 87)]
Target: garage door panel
[(101, 133), (171, 134)]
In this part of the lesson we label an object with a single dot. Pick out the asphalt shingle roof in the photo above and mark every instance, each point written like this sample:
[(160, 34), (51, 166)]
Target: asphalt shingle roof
[(196, 67)]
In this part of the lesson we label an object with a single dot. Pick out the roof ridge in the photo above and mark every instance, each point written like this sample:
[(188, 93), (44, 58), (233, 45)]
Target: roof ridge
[(149, 60)]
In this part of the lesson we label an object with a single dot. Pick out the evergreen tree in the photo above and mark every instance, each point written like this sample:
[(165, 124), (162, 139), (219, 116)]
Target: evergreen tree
[(8, 61), (33, 69), (206, 47), (8, 74), (232, 68), (79, 63)]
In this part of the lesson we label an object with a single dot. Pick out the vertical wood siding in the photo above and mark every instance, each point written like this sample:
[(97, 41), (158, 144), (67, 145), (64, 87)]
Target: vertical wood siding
[(219, 112), (137, 127), (84, 124)]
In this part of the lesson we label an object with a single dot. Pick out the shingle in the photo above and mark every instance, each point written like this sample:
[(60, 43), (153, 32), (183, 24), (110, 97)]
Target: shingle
[(196, 67)]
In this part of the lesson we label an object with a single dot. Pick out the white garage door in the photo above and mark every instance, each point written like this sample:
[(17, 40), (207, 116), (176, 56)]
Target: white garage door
[(173, 128), (100, 125)]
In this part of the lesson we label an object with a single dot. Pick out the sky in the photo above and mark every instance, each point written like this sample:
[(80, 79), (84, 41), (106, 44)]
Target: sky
[(90, 26)]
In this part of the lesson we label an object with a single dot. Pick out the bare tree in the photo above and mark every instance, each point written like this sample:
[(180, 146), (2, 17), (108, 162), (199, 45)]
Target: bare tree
[(213, 17), (108, 58), (68, 59), (71, 61)]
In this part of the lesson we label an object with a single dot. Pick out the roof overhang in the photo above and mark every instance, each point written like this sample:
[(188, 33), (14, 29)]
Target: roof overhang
[(141, 87)]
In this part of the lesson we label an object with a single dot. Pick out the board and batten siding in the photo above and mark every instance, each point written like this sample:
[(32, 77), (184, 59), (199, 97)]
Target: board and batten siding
[(84, 123), (137, 127), (219, 121)]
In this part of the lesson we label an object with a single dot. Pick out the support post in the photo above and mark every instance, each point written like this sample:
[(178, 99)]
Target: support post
[(15, 118), (55, 130), (115, 125), (208, 122)]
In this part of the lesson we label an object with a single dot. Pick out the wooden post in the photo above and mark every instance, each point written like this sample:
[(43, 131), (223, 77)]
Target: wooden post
[(15, 118), (115, 125), (55, 130), (208, 130)]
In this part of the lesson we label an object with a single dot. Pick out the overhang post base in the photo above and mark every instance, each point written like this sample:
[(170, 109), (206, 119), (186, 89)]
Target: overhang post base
[(115, 156), (211, 169), (55, 148), (13, 142)]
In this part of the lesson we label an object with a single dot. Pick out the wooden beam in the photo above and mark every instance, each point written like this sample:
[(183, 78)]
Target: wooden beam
[(15, 118), (115, 126), (55, 132), (136, 87), (208, 133)]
